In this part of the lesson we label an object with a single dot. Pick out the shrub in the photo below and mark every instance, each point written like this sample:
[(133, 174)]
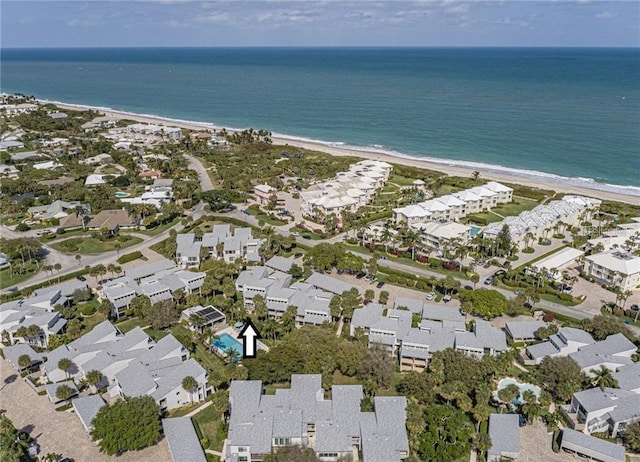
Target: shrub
[(528, 250), (23, 227), (402, 281), (421, 285), (88, 309), (548, 317), (435, 262), (60, 231), (130, 257), (392, 279)]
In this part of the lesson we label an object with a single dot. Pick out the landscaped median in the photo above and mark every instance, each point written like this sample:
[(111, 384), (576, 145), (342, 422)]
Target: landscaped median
[(92, 245)]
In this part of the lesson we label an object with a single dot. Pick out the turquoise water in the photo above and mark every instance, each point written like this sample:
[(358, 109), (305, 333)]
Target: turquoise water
[(474, 230), (122, 194), (226, 341), (571, 114), (504, 383)]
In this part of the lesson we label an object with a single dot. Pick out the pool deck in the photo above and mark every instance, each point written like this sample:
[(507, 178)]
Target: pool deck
[(232, 331)]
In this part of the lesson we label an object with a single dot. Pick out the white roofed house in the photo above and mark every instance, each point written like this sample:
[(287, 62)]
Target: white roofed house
[(616, 268), (613, 353), (568, 340), (504, 431), (438, 236), (603, 410), (264, 193), (57, 209)]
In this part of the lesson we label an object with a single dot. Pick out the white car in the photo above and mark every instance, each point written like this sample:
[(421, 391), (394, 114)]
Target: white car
[(431, 296)]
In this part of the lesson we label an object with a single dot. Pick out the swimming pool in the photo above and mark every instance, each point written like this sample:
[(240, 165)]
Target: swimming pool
[(504, 383), (122, 194), (226, 341), (474, 230)]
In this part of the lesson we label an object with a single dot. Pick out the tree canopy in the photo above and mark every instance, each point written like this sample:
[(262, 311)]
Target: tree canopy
[(127, 425), (485, 303)]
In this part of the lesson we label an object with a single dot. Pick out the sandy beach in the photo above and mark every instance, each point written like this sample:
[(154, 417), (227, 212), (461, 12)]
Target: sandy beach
[(443, 167)]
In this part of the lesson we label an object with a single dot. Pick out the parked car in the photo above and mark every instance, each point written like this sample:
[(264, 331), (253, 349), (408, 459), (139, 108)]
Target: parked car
[(635, 307), (500, 272), (430, 296), (380, 284), (81, 278), (360, 275), (298, 255), (383, 257), (370, 277), (489, 281)]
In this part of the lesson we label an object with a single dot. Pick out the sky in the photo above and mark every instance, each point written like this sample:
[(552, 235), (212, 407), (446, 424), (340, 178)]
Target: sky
[(177, 23)]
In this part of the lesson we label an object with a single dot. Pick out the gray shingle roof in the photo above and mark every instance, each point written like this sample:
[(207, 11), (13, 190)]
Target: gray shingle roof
[(150, 269), (523, 329), (182, 439), (441, 313), (279, 263), (12, 353), (595, 399), (504, 431), (86, 408), (628, 377), (591, 446), (335, 286)]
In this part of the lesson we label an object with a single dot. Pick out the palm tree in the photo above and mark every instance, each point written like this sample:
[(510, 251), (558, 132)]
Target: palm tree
[(603, 378), (94, 377), (64, 392), (65, 365), (482, 442), (189, 385), (58, 267)]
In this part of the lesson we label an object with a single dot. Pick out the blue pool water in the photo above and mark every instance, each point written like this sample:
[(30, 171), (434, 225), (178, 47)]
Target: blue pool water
[(226, 341), (504, 383), (474, 230), (122, 194)]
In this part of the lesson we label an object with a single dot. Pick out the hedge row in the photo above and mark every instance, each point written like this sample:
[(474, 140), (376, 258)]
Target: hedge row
[(127, 257)]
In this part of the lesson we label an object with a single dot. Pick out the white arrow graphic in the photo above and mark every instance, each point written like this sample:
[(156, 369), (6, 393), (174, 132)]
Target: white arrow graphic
[(249, 335)]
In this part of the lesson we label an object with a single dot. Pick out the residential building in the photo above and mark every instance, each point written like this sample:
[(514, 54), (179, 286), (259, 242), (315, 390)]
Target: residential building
[(9, 171), (183, 441), (504, 431), (590, 447), (452, 207), (599, 410), (523, 331), (279, 293), (13, 352), (113, 221), (37, 310), (347, 192), (132, 365), (264, 193), (440, 237), (157, 280), (628, 377), (554, 264), (201, 318), (440, 328), (52, 388), (568, 340), (614, 268), (613, 352), (57, 209), (26, 156), (222, 242), (544, 219), (86, 408), (302, 416)]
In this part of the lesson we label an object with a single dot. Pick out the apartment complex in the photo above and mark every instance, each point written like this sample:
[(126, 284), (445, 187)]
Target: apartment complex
[(348, 191), (301, 415), (452, 207)]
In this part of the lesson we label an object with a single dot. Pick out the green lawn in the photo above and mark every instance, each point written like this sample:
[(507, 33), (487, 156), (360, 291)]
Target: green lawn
[(401, 180), (207, 422), (89, 322), (7, 279), (129, 324), (155, 334), (90, 245)]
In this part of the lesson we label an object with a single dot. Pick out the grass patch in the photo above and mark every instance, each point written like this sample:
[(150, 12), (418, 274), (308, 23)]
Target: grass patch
[(537, 259), (208, 423), (268, 219), (208, 360), (7, 279), (156, 334), (89, 322), (63, 408), (130, 324), (92, 246)]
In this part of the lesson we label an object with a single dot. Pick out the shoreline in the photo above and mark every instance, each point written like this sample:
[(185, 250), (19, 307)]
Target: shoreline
[(446, 166)]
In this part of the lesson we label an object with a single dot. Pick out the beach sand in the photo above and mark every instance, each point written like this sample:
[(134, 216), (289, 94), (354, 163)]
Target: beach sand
[(342, 151)]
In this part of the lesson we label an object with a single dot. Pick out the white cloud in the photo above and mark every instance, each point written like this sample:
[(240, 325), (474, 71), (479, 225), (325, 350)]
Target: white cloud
[(606, 15)]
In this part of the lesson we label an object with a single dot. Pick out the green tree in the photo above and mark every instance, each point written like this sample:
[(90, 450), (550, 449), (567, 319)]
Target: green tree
[(94, 378), (24, 362), (561, 376), (190, 385), (603, 378), (64, 364), (379, 366), (369, 295), (260, 307), (64, 392), (127, 425), (384, 297), (482, 442), (447, 435), (509, 393), (163, 314), (220, 401), (485, 303), (631, 437), (350, 300), (13, 442)]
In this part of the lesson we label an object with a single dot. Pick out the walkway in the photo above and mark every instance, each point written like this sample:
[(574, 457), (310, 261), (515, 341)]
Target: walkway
[(199, 408)]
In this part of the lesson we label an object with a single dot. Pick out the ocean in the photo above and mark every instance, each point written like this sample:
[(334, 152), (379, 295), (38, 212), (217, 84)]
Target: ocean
[(567, 115)]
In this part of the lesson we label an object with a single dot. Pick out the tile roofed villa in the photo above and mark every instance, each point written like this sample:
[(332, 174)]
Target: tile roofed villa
[(301, 415)]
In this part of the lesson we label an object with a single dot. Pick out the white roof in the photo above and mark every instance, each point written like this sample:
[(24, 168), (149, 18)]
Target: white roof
[(621, 262), (559, 259), (94, 178)]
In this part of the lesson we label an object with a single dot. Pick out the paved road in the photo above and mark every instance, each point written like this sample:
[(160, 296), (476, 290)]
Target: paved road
[(205, 180)]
